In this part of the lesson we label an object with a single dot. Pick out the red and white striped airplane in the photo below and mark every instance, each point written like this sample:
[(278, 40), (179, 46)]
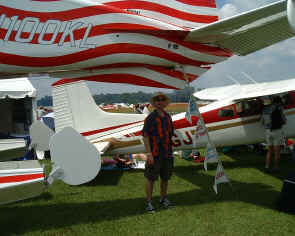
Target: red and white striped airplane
[(143, 42)]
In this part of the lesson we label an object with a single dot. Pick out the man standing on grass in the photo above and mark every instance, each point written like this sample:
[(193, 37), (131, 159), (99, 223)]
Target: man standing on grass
[(273, 119), (157, 136)]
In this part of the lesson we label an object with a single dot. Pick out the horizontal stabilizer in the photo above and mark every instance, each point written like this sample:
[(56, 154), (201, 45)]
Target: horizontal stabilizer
[(76, 160)]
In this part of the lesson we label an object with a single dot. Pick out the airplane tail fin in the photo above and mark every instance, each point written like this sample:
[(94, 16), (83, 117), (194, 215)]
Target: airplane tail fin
[(184, 13), (75, 107)]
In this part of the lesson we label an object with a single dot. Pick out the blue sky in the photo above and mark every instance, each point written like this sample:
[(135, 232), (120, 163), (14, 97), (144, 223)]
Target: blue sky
[(269, 64), (273, 63)]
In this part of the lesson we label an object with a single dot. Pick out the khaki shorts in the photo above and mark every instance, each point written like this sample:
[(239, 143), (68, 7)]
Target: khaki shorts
[(162, 167), (274, 137)]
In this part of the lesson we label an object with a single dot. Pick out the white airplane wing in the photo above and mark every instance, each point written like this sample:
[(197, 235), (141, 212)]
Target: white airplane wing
[(218, 93), (266, 89), (246, 91), (247, 32)]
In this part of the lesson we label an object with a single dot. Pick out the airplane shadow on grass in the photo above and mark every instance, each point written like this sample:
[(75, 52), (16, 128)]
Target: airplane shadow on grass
[(245, 159), (61, 215), (107, 177), (235, 191)]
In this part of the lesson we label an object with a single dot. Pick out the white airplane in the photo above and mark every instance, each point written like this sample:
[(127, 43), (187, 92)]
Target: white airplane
[(230, 121), (151, 43)]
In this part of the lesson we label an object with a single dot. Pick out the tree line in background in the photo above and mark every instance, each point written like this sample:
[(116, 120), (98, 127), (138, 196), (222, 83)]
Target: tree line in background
[(129, 98)]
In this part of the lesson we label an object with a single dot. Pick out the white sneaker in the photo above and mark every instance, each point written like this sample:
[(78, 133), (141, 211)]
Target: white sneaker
[(150, 208), (166, 203)]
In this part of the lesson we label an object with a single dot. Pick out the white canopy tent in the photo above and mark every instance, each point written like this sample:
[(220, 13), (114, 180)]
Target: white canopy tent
[(18, 111), (16, 88)]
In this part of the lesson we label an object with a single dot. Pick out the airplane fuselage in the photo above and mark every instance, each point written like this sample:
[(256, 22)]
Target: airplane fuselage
[(227, 126)]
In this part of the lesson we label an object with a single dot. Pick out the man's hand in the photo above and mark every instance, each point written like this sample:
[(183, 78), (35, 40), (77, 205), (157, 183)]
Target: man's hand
[(150, 159)]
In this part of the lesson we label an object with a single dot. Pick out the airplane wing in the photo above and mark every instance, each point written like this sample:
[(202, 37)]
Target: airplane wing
[(241, 35), (266, 89), (218, 93), (247, 32), (102, 41), (246, 91)]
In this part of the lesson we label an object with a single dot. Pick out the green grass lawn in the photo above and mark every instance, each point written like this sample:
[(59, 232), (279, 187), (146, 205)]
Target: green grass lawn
[(114, 203)]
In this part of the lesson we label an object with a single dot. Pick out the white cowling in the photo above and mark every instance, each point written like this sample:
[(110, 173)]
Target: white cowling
[(291, 13)]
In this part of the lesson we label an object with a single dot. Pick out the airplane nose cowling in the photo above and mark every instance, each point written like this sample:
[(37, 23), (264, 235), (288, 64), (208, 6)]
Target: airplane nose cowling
[(291, 13)]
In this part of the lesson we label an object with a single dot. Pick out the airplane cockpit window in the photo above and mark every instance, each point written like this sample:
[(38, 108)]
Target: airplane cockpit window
[(226, 112), (239, 107), (249, 107)]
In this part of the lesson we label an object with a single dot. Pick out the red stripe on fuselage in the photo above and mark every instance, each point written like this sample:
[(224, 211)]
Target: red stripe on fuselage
[(150, 6), (20, 178), (66, 15), (88, 133), (99, 52), (125, 78), (169, 35), (200, 3), (97, 30)]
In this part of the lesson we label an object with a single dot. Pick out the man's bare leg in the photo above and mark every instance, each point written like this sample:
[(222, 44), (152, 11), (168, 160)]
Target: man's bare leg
[(149, 189), (277, 153), (268, 156), (164, 187)]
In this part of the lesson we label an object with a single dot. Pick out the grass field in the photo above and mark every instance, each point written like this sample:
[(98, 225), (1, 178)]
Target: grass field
[(114, 203)]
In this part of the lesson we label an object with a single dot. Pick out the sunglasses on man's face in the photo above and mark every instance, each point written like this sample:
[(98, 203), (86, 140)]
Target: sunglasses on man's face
[(160, 99)]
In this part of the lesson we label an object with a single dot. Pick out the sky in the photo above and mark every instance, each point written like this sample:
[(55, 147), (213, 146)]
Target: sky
[(273, 63)]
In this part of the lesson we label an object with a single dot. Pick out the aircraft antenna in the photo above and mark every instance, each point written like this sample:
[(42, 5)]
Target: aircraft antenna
[(249, 77), (232, 79)]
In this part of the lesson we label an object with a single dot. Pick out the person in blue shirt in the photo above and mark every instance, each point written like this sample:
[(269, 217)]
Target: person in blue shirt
[(157, 137)]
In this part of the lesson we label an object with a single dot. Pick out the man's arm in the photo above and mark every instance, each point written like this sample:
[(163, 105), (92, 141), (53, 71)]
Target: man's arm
[(146, 141), (283, 114)]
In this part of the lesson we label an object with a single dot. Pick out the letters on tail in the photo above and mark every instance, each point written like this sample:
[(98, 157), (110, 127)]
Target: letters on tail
[(211, 155), (192, 109), (220, 176)]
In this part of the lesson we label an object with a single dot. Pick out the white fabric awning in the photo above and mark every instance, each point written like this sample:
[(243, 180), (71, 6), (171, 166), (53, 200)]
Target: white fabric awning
[(16, 88)]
